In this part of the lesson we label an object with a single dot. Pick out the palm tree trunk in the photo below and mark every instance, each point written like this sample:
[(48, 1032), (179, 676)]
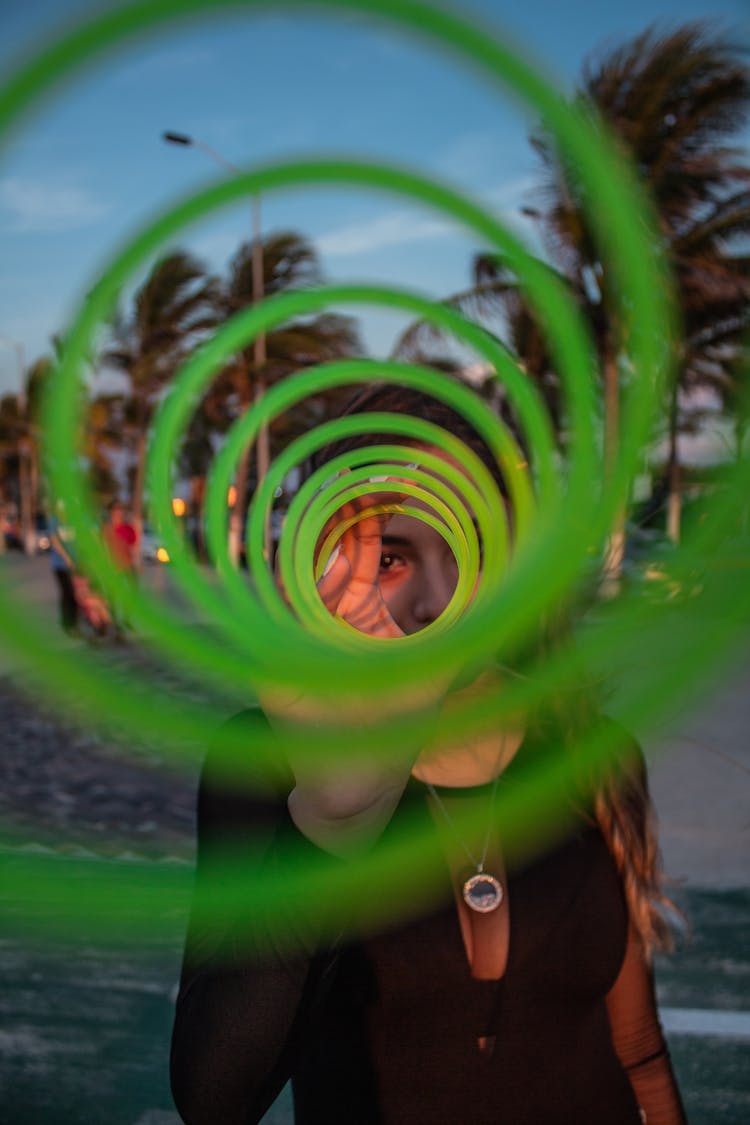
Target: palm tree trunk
[(237, 515), (195, 512), (260, 356), (34, 473), (262, 461), (615, 549), (25, 490), (137, 498), (674, 473)]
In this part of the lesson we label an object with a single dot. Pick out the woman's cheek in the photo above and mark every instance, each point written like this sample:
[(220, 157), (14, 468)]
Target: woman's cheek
[(394, 586)]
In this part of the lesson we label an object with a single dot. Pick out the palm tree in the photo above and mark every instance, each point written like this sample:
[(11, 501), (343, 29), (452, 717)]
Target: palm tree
[(172, 311), (674, 101), (19, 444), (495, 301), (290, 262), (12, 430), (209, 419), (103, 417)]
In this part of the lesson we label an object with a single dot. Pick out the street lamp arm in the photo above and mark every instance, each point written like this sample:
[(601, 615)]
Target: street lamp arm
[(177, 139), (190, 142)]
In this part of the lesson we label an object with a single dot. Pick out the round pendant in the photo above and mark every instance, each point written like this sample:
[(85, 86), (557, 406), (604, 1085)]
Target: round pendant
[(482, 892)]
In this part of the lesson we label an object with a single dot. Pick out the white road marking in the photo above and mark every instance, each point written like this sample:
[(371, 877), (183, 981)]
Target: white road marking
[(706, 1021)]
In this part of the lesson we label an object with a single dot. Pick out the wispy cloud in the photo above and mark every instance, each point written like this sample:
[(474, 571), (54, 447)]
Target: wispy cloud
[(165, 63), (512, 193), (403, 227), (395, 229), (29, 206), (473, 156), (217, 247)]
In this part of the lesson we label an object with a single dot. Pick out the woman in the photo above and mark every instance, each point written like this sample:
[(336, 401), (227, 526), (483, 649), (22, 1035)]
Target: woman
[(523, 996)]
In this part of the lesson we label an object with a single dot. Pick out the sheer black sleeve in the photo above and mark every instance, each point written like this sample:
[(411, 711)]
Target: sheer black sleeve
[(639, 1040), (247, 995)]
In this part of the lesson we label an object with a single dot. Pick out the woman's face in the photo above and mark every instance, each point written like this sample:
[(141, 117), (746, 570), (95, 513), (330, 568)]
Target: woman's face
[(418, 572)]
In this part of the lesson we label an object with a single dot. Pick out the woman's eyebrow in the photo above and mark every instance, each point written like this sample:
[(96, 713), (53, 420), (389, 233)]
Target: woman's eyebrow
[(395, 540)]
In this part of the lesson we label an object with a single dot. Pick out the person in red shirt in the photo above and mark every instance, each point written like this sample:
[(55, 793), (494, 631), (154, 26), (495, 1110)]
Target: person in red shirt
[(121, 539)]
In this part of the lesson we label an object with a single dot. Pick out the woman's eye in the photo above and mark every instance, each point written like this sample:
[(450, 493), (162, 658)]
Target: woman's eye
[(389, 561)]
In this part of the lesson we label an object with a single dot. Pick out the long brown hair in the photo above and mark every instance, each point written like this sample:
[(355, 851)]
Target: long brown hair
[(625, 815), (616, 798), (609, 787)]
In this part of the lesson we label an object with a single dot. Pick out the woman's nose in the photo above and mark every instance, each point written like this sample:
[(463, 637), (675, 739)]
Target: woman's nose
[(435, 591)]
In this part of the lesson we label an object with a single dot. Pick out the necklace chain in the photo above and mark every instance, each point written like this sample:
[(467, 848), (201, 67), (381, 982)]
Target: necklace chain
[(451, 824)]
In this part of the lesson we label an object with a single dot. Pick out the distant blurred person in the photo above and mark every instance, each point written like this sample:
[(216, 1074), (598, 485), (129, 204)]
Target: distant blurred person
[(63, 567), (121, 540), (120, 537)]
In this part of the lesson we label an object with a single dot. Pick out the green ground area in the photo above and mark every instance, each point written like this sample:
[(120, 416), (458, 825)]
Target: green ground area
[(85, 1029)]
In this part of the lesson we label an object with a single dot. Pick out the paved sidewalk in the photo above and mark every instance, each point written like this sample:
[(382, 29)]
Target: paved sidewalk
[(700, 781)]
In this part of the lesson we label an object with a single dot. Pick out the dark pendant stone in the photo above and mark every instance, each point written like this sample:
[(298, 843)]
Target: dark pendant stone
[(483, 892)]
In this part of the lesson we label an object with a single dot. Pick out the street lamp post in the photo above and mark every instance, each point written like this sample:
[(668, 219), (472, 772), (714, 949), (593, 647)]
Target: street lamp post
[(259, 352)]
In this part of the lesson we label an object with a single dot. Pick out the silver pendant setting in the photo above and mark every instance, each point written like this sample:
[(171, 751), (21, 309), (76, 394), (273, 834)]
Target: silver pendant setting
[(482, 892)]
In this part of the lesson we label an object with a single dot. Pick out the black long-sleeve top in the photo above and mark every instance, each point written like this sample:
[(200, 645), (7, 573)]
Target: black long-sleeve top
[(384, 1028)]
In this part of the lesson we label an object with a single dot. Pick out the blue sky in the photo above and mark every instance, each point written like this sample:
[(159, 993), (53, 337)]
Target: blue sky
[(88, 168)]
